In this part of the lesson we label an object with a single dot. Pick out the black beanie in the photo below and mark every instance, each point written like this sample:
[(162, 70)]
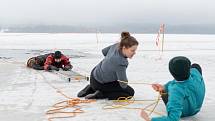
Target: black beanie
[(57, 55), (179, 67)]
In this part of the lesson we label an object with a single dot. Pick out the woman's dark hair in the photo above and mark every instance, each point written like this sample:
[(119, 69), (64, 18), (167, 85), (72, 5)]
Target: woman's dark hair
[(127, 40)]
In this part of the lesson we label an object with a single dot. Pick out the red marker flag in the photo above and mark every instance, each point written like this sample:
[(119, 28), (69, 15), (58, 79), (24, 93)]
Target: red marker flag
[(161, 30)]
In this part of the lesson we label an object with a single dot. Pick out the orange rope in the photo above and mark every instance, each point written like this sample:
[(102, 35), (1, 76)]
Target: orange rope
[(56, 110), (130, 100)]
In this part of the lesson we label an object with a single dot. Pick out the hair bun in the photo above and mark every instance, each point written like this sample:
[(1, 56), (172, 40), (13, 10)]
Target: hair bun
[(125, 35)]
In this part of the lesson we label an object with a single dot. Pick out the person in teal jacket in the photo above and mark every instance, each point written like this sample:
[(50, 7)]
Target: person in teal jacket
[(185, 94)]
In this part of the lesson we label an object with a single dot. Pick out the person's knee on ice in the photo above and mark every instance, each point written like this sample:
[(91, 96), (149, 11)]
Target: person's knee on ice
[(96, 95), (87, 90), (130, 91), (126, 93), (123, 84)]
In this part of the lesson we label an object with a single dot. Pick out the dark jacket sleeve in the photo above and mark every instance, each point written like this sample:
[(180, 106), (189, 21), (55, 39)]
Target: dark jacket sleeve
[(37, 67)]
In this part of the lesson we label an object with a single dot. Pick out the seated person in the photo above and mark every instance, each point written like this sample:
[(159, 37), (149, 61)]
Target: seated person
[(184, 94)]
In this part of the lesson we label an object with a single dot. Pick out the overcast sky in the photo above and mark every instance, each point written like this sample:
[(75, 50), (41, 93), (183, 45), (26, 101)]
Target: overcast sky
[(106, 12)]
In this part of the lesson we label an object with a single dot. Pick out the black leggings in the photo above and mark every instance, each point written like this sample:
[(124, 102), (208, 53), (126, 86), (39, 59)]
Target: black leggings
[(111, 90)]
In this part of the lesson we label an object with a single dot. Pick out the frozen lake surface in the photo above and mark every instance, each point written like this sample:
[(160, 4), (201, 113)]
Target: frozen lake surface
[(25, 94)]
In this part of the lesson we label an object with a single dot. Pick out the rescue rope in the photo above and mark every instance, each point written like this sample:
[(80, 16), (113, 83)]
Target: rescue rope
[(57, 108), (130, 100), (145, 83), (124, 102)]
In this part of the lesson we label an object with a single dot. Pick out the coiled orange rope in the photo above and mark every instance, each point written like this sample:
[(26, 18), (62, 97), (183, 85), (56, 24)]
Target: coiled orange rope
[(58, 109)]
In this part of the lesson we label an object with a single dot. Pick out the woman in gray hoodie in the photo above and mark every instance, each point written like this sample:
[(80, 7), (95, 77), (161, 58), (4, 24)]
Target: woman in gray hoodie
[(108, 79)]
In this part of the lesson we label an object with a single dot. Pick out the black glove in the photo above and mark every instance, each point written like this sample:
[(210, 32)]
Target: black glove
[(51, 67), (67, 68)]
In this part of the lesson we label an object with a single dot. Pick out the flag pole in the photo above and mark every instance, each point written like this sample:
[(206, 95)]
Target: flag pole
[(162, 37)]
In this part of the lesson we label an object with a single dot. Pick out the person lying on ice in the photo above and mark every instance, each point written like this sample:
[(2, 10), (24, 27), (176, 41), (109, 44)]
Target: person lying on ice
[(185, 94), (104, 78), (37, 62), (56, 61)]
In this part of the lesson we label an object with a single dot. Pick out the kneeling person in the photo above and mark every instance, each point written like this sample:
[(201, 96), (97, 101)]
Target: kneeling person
[(185, 94)]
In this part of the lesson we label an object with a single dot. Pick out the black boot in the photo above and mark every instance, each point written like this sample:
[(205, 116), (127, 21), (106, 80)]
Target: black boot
[(96, 95), (87, 90)]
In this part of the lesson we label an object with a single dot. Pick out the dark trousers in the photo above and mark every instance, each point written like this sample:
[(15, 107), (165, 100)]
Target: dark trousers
[(111, 90)]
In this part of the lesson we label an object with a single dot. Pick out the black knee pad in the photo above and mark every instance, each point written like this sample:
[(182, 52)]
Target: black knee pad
[(197, 66)]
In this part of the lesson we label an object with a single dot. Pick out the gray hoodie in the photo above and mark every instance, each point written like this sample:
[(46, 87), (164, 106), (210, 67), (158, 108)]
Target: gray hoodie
[(112, 67)]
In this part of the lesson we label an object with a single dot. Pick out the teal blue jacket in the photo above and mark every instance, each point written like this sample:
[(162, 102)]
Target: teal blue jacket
[(185, 98)]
